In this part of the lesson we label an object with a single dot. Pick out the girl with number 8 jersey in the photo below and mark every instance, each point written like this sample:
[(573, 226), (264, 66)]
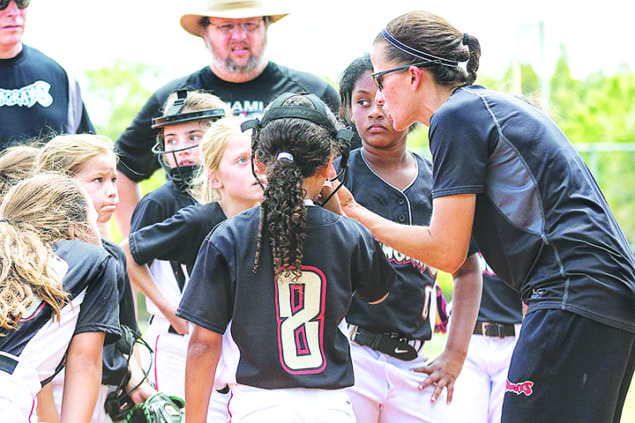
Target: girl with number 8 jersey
[(278, 279)]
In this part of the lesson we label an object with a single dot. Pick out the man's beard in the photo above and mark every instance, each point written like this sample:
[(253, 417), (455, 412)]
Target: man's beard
[(251, 64)]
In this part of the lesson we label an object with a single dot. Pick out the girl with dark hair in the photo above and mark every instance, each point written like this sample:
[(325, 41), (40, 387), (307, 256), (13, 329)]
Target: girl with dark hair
[(278, 279), (505, 174), (58, 302), (397, 184)]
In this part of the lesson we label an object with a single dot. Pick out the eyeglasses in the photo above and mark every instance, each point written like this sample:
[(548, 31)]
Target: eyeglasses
[(22, 4), (228, 28), (377, 76)]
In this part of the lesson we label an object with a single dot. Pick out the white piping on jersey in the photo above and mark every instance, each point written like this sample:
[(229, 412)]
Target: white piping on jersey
[(400, 191)]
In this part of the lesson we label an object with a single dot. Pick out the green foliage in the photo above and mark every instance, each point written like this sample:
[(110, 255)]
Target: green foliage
[(115, 94), (597, 109)]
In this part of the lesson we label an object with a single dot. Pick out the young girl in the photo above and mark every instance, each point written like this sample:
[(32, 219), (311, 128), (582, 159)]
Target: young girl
[(58, 297), (186, 118), (281, 276), (226, 172), (387, 338), (91, 161)]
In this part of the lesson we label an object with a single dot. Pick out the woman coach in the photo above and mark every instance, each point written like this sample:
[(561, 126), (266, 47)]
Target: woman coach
[(505, 174)]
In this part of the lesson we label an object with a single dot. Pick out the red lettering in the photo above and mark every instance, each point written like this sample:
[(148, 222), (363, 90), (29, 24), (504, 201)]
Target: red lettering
[(520, 388)]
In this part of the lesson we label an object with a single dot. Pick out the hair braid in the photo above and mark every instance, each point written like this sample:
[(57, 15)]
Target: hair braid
[(283, 213)]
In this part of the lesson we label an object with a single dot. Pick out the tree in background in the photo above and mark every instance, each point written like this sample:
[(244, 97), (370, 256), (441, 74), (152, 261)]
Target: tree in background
[(115, 94)]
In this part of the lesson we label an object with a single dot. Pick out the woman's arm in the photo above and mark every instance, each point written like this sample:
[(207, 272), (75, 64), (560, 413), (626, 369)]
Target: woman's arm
[(442, 245), (466, 298), (203, 354), (83, 377), (141, 279)]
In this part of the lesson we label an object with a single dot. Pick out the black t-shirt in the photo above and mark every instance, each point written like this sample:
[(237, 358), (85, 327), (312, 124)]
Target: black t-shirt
[(177, 238), (247, 99), (286, 333), (541, 221), (38, 99)]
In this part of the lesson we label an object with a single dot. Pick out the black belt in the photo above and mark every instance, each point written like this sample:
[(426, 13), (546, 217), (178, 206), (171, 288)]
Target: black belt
[(494, 330), (392, 344), (8, 364)]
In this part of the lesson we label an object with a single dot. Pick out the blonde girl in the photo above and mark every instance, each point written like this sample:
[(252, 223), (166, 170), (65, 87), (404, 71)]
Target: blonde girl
[(58, 293), (16, 164), (91, 161), (226, 179)]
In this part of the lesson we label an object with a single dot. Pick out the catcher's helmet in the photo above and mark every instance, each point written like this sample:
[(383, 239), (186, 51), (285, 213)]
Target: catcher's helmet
[(180, 175)]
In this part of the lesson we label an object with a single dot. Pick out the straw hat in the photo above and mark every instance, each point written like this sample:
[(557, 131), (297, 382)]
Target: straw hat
[(230, 9)]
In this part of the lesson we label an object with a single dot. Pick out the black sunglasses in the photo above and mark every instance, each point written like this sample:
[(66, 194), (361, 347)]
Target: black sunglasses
[(377, 76), (22, 4)]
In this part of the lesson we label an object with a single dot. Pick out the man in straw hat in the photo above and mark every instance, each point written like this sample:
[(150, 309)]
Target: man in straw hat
[(235, 32)]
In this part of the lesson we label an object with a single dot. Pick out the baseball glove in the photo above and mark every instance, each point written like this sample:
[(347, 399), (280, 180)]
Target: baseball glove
[(159, 408)]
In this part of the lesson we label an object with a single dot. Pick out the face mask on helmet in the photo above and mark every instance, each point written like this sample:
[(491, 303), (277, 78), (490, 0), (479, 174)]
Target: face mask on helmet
[(180, 175)]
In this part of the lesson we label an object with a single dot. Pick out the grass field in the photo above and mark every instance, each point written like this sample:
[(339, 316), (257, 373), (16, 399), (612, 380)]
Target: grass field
[(434, 347)]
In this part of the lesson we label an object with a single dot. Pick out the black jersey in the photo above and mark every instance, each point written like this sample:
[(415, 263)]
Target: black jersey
[(541, 220), (39, 344), (499, 302), (158, 205), (246, 99), (177, 238), (114, 364), (286, 333), (38, 99), (407, 309)]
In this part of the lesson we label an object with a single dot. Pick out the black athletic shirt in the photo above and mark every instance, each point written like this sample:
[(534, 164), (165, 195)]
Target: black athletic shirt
[(38, 99), (158, 205), (177, 238), (406, 311), (499, 302), (245, 99), (286, 333), (114, 364), (39, 343), (541, 221)]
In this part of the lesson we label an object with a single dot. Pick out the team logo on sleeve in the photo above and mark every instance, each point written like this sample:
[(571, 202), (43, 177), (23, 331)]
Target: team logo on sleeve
[(525, 388), (27, 96)]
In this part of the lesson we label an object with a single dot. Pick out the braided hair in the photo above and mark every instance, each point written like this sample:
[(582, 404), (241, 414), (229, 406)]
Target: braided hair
[(290, 150)]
